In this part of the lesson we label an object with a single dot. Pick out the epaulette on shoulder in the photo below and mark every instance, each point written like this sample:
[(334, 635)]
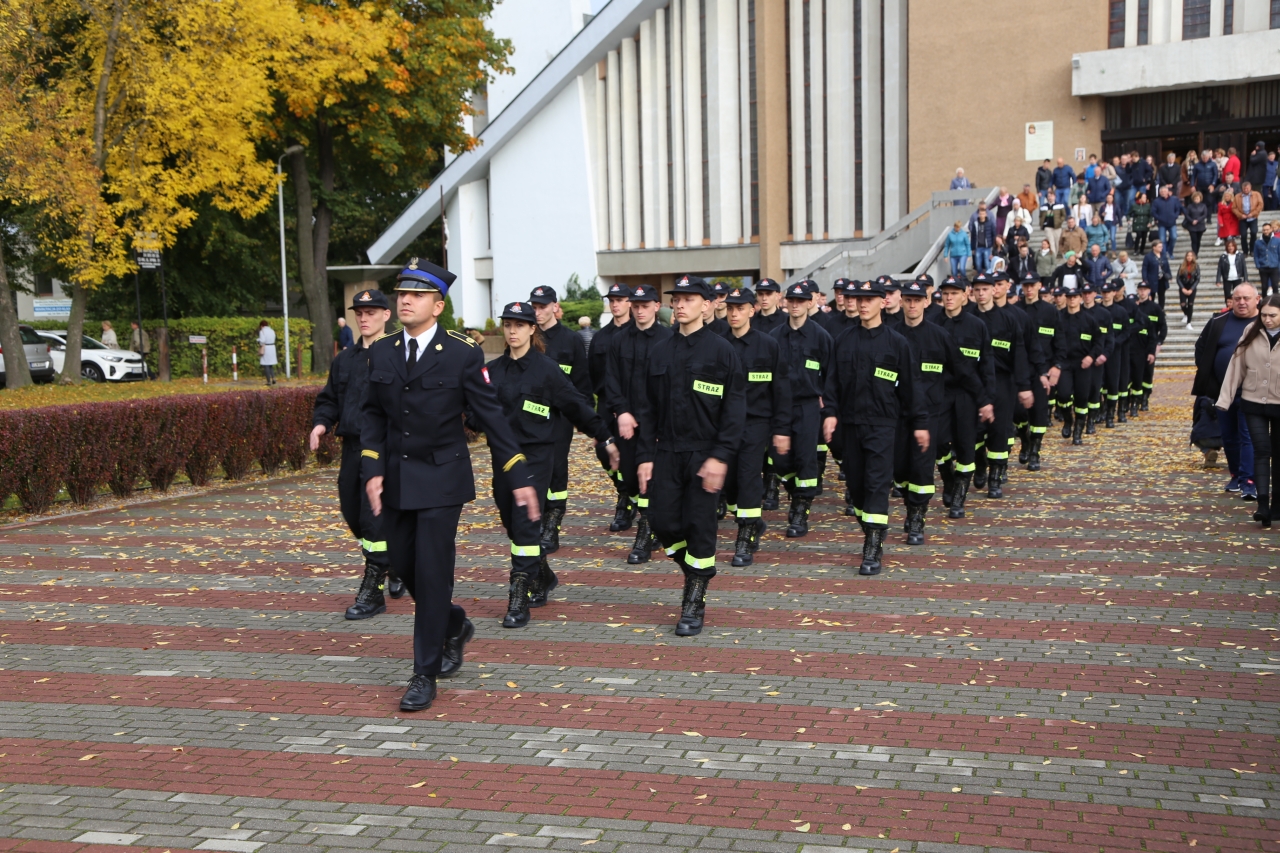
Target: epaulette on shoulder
[(384, 336), (466, 339)]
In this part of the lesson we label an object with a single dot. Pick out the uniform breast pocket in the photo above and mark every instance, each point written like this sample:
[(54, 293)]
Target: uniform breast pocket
[(440, 383), (886, 368), (760, 370), (708, 390), (535, 418), (380, 377)]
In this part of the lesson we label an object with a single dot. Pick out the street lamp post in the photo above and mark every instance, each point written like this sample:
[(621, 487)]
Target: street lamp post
[(284, 272)]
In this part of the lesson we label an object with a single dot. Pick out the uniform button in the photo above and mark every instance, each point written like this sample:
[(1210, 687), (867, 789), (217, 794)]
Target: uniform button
[(406, 435), (406, 456), (406, 387)]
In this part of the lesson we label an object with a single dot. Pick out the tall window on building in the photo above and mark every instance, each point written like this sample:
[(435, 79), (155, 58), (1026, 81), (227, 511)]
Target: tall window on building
[(1144, 21), (1195, 19), (1115, 24), (1275, 14), (1228, 17)]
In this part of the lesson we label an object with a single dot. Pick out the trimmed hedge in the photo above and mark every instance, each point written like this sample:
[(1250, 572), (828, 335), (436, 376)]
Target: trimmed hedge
[(119, 444), (222, 332)]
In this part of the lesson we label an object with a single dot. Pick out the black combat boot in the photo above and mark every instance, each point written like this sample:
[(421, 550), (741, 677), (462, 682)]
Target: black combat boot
[(742, 555), (798, 524), (872, 552), (542, 584), (822, 469), (958, 496), (995, 479), (770, 492), (644, 544), (517, 602), (980, 469), (1145, 405), (915, 524), (1109, 414), (848, 504), (1077, 431), (693, 607), (1033, 456), (551, 529), (623, 515), (1066, 425), (369, 600), (948, 472), (1122, 408), (1024, 451), (1262, 514), (1090, 422), (722, 508)]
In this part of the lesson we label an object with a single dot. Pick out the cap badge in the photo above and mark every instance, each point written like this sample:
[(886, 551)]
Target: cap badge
[(365, 297), (866, 285), (538, 292), (515, 306), (413, 263)]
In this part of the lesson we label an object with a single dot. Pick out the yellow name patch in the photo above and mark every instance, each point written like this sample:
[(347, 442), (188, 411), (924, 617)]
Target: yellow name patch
[(708, 388), (812, 365), (881, 373), (537, 409), (972, 353), (759, 377), (930, 367), (996, 342)]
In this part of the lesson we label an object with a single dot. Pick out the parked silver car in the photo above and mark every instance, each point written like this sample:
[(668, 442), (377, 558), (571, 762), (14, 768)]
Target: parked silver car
[(38, 357)]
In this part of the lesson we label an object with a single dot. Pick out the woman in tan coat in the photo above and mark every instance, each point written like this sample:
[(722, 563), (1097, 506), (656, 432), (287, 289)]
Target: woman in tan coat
[(1255, 372)]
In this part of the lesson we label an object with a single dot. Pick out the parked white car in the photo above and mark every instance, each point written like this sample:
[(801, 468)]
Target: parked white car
[(98, 362)]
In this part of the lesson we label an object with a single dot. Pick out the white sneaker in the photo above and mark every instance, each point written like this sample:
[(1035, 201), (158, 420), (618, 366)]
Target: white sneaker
[(1191, 328)]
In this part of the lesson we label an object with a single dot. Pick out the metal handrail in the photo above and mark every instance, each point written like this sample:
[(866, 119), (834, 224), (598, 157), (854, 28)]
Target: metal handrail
[(917, 217), (931, 256)]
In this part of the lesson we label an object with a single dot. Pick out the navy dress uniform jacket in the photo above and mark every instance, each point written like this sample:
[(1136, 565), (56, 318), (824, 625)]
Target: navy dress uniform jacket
[(412, 432)]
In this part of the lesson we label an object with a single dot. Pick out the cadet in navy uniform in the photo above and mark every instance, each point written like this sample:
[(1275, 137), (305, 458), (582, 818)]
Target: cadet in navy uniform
[(871, 392), (806, 350), (1043, 317), (1082, 344), (626, 371), (769, 315), (619, 302), (768, 420), (417, 466), (692, 407), (536, 396), (943, 369), (1012, 383), (713, 316), (565, 347), (338, 409)]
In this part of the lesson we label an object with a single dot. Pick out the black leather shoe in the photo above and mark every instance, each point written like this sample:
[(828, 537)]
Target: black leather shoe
[(451, 654), (395, 587), (420, 694)]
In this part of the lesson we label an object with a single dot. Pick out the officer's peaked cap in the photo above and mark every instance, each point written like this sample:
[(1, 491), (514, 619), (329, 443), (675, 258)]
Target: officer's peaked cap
[(425, 276)]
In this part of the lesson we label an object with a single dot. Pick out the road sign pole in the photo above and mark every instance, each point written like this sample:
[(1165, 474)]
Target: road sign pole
[(284, 271)]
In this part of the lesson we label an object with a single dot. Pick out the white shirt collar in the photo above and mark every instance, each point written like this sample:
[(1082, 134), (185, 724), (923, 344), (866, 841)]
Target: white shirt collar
[(422, 339)]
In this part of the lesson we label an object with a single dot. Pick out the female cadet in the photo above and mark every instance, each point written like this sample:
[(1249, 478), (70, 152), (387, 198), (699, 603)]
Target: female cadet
[(537, 397)]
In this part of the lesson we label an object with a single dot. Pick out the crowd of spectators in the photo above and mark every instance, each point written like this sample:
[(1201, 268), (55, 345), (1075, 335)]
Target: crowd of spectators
[(1082, 213)]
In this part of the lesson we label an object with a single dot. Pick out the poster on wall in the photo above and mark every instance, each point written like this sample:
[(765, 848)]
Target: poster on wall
[(1039, 140)]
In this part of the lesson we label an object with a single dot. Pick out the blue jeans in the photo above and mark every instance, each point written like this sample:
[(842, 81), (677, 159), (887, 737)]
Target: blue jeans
[(958, 263), (1124, 201), (981, 258), (1236, 441), (1111, 230), (1169, 236)]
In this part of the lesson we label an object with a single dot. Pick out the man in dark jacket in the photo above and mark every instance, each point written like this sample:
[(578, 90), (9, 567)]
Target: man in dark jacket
[(1256, 171), (1165, 210), (1044, 181), (1214, 348), (1063, 177), (338, 409), (1155, 271), (619, 302)]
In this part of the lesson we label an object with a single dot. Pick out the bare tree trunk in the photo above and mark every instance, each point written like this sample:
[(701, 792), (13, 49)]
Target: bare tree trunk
[(17, 373), (79, 295), (314, 287), (322, 322)]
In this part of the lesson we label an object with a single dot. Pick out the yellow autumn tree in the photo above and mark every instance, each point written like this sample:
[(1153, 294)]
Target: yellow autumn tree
[(117, 115)]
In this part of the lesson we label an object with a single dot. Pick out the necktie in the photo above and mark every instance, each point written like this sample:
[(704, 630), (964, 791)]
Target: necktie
[(413, 352)]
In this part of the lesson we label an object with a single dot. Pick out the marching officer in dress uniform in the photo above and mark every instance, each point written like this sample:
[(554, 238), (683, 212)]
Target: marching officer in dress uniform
[(768, 424), (1013, 382), (417, 467), (806, 350), (338, 408), (1116, 377), (943, 368), (626, 372), (535, 395), (619, 301), (564, 347), (692, 408), (1043, 323), (1082, 344), (871, 390), (957, 463)]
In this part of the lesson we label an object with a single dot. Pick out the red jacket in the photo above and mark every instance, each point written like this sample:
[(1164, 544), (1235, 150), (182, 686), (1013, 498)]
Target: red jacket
[(1228, 225)]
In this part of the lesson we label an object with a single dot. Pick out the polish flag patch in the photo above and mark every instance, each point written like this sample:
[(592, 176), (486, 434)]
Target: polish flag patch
[(484, 371)]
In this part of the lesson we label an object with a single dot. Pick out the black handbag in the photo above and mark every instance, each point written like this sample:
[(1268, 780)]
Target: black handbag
[(1128, 241)]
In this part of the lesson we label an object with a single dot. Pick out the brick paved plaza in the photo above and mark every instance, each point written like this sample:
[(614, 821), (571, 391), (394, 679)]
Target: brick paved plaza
[(1085, 665)]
